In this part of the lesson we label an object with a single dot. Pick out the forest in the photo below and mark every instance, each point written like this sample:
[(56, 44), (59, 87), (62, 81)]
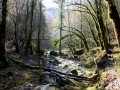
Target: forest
[(59, 44)]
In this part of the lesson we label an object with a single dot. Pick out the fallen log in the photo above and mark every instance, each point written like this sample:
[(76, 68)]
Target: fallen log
[(24, 65), (63, 79)]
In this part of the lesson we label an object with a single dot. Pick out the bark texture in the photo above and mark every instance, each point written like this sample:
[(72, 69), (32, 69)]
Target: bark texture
[(114, 15), (3, 62)]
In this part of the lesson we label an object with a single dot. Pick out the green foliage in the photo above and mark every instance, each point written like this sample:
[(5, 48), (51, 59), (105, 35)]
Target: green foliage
[(89, 64), (56, 43), (83, 39), (90, 58), (80, 35)]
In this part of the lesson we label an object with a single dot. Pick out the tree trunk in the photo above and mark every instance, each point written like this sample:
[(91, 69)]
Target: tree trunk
[(93, 34), (29, 40), (16, 40), (102, 25), (61, 24), (26, 29), (3, 61), (99, 35), (39, 30), (114, 15)]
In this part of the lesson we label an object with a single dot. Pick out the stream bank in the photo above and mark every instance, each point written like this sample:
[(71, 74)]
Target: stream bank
[(17, 77)]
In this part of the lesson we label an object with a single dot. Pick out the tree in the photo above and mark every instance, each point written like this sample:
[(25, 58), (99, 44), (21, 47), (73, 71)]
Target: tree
[(95, 11), (61, 23), (101, 24), (40, 19), (3, 61), (29, 39), (114, 15), (16, 16)]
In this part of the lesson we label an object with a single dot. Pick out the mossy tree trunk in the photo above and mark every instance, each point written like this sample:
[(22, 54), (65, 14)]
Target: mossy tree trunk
[(3, 61), (114, 15), (29, 40), (101, 24)]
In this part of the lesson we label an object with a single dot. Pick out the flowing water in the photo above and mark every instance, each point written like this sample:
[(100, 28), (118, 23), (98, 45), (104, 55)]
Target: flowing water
[(65, 66)]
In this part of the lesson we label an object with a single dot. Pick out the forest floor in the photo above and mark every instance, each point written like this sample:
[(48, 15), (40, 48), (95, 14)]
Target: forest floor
[(108, 66), (111, 75), (17, 77)]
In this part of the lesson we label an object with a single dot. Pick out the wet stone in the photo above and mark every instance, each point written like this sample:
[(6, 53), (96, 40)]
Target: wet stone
[(74, 71)]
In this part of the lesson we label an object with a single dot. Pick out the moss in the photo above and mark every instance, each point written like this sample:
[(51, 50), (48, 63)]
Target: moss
[(116, 57), (26, 75), (89, 64), (91, 88), (82, 86), (89, 74), (39, 71), (66, 66), (20, 81)]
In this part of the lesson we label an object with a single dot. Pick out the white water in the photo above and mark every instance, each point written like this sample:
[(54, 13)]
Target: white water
[(45, 87), (67, 65)]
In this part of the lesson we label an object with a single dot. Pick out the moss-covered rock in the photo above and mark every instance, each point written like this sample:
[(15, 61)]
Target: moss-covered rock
[(79, 52), (54, 53), (74, 71)]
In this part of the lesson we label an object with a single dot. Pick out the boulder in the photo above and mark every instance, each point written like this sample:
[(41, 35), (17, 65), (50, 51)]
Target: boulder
[(52, 63), (54, 53), (79, 52), (74, 71), (66, 66)]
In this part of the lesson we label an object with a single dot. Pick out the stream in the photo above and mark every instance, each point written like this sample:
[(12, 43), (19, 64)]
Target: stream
[(53, 80), (65, 66)]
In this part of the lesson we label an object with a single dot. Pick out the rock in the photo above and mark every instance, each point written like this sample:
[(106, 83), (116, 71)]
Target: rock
[(70, 57), (52, 63), (65, 56), (53, 53), (79, 52), (26, 86), (66, 66), (37, 88), (57, 62), (75, 56), (9, 73), (74, 71), (105, 61)]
